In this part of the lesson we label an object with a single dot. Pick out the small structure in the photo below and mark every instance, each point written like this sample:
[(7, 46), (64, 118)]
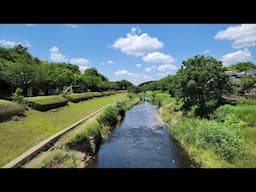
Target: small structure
[(235, 76), (251, 72), (68, 89)]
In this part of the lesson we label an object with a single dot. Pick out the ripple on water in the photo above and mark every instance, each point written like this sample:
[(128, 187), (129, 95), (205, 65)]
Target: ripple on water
[(140, 141)]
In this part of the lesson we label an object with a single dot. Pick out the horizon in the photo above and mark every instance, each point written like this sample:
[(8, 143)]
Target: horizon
[(135, 52)]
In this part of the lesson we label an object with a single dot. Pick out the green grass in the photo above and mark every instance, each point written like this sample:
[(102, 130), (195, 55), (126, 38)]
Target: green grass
[(9, 109), (242, 114), (58, 159), (44, 103), (227, 140), (18, 136)]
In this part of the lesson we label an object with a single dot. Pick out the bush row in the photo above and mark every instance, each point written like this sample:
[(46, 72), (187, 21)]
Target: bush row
[(107, 119), (77, 97), (44, 103), (9, 109)]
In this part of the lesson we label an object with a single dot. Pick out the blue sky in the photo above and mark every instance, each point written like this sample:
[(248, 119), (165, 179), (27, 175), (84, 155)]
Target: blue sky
[(136, 52)]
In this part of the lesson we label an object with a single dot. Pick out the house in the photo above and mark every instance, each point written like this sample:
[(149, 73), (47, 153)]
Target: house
[(251, 72), (235, 76)]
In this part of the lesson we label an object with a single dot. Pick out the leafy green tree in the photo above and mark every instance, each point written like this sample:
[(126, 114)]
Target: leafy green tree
[(247, 82), (202, 81), (243, 66)]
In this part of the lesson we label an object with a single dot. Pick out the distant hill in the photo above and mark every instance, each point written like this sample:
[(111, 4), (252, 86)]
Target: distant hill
[(239, 67)]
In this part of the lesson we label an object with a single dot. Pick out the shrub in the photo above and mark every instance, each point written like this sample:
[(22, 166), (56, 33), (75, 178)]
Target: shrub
[(109, 117), (9, 109), (17, 96), (245, 113), (225, 139), (97, 94), (87, 131), (44, 103), (76, 97), (58, 159)]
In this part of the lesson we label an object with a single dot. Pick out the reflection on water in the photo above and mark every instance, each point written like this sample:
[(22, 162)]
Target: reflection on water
[(141, 141)]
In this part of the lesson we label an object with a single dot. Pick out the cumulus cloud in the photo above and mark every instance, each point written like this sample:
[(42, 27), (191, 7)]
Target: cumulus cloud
[(237, 56), (243, 35), (151, 69), (58, 57), (135, 78), (107, 62), (8, 43), (206, 52), (79, 61), (138, 65), (135, 30), (157, 57), (137, 45), (166, 67), (121, 72)]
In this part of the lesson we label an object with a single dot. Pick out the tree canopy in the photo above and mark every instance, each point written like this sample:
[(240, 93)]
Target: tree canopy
[(243, 66), (19, 69), (201, 82)]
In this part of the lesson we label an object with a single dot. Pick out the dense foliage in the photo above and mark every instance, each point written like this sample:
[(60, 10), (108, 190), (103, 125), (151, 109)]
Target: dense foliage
[(19, 69), (243, 66)]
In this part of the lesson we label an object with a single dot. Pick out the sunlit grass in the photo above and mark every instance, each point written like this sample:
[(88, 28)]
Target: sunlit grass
[(18, 136)]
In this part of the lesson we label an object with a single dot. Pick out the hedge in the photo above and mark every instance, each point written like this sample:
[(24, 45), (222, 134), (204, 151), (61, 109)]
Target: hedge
[(76, 97), (9, 109), (44, 103)]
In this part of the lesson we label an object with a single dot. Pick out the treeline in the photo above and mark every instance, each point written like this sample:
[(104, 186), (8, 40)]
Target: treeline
[(19, 69), (200, 83)]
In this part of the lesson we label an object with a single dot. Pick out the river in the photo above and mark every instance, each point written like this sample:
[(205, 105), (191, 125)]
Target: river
[(141, 141)]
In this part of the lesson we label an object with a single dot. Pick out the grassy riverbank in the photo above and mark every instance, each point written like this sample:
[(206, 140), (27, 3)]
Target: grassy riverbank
[(227, 139), (73, 148), (18, 135)]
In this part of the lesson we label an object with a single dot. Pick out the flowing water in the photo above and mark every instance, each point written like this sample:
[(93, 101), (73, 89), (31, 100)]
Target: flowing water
[(141, 141)]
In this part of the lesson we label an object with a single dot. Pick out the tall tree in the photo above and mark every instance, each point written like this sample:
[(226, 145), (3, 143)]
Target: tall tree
[(202, 81)]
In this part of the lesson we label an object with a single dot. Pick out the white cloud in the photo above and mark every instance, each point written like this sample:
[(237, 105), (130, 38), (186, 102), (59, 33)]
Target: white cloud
[(137, 45), (27, 44), (108, 62), (121, 72), (166, 67), (7, 43), (237, 56), (135, 30), (157, 57), (79, 61), (151, 69), (135, 78), (30, 25), (206, 52), (56, 56), (82, 68), (164, 74), (243, 35), (72, 25), (138, 65)]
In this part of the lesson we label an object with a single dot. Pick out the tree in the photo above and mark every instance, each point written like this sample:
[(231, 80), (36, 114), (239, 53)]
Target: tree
[(247, 82), (202, 81), (243, 66)]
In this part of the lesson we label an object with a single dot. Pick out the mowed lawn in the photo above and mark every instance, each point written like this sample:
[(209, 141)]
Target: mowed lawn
[(18, 136)]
